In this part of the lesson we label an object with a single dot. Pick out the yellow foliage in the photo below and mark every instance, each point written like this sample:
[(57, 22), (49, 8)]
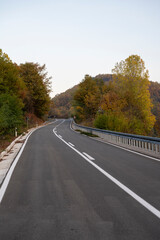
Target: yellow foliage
[(131, 81)]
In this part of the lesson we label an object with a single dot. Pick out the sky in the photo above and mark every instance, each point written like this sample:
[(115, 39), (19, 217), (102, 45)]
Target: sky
[(78, 37)]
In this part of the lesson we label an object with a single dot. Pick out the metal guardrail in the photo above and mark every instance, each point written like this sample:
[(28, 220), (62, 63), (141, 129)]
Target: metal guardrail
[(143, 144)]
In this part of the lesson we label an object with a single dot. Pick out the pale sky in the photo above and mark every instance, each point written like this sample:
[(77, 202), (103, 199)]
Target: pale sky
[(78, 37)]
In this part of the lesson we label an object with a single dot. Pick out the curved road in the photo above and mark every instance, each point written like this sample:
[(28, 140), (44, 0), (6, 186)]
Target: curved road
[(69, 186)]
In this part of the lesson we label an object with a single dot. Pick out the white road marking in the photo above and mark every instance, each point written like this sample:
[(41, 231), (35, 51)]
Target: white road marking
[(126, 149), (10, 171), (59, 124), (71, 144), (90, 158), (144, 203), (9, 174), (60, 136)]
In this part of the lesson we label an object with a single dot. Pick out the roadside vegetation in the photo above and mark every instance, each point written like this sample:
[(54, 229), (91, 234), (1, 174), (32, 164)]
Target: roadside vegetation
[(124, 101), (24, 97), (123, 105)]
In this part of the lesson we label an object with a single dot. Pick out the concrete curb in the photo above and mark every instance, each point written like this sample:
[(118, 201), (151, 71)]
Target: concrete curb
[(9, 147), (8, 156)]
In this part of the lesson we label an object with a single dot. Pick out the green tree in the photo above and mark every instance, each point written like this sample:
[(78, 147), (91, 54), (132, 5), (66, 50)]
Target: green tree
[(11, 114), (38, 84)]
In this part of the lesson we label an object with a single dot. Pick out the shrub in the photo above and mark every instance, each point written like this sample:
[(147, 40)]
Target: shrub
[(100, 121)]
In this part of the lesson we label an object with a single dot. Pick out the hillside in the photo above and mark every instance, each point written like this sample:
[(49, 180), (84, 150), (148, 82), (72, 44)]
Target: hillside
[(104, 77), (61, 106), (62, 103)]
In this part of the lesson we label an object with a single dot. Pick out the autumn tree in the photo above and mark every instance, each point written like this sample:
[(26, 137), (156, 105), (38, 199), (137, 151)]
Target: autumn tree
[(10, 81), (87, 97), (38, 84), (154, 89), (110, 115), (131, 82)]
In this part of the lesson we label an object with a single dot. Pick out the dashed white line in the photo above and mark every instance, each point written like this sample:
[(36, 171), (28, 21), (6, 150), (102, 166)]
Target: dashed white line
[(126, 149), (71, 144), (144, 203), (90, 158)]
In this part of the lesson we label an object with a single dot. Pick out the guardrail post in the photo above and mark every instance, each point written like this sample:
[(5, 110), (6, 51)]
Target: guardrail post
[(145, 145), (156, 148), (149, 146), (134, 142)]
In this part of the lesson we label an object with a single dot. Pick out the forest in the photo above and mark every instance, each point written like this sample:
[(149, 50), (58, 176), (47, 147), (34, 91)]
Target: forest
[(124, 101), (24, 95)]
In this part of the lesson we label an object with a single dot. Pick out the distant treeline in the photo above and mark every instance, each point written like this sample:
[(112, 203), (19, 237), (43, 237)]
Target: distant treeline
[(24, 94), (124, 101)]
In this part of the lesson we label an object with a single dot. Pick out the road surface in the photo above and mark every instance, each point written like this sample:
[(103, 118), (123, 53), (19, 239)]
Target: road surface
[(69, 186)]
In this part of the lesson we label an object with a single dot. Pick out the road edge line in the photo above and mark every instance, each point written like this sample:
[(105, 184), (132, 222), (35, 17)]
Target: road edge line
[(8, 176)]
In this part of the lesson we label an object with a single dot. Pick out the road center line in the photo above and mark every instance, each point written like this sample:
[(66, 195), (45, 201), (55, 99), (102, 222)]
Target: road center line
[(88, 156), (71, 144), (144, 203)]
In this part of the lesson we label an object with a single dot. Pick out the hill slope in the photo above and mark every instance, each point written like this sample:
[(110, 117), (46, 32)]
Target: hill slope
[(61, 106), (62, 103)]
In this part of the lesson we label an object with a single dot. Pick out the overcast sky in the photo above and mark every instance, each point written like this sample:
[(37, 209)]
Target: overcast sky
[(78, 37)]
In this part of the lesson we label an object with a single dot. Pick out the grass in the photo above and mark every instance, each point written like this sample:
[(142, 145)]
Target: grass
[(86, 133)]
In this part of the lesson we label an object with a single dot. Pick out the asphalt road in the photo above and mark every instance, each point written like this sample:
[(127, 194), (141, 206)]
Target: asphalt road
[(62, 188)]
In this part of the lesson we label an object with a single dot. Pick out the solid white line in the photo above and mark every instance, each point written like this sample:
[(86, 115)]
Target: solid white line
[(60, 136), (9, 174), (59, 124), (90, 158), (147, 205), (126, 149), (10, 171), (71, 144)]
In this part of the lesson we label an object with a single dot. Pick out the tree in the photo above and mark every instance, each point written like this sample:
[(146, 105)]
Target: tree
[(11, 114), (39, 86), (154, 89), (10, 81), (131, 82), (87, 97)]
